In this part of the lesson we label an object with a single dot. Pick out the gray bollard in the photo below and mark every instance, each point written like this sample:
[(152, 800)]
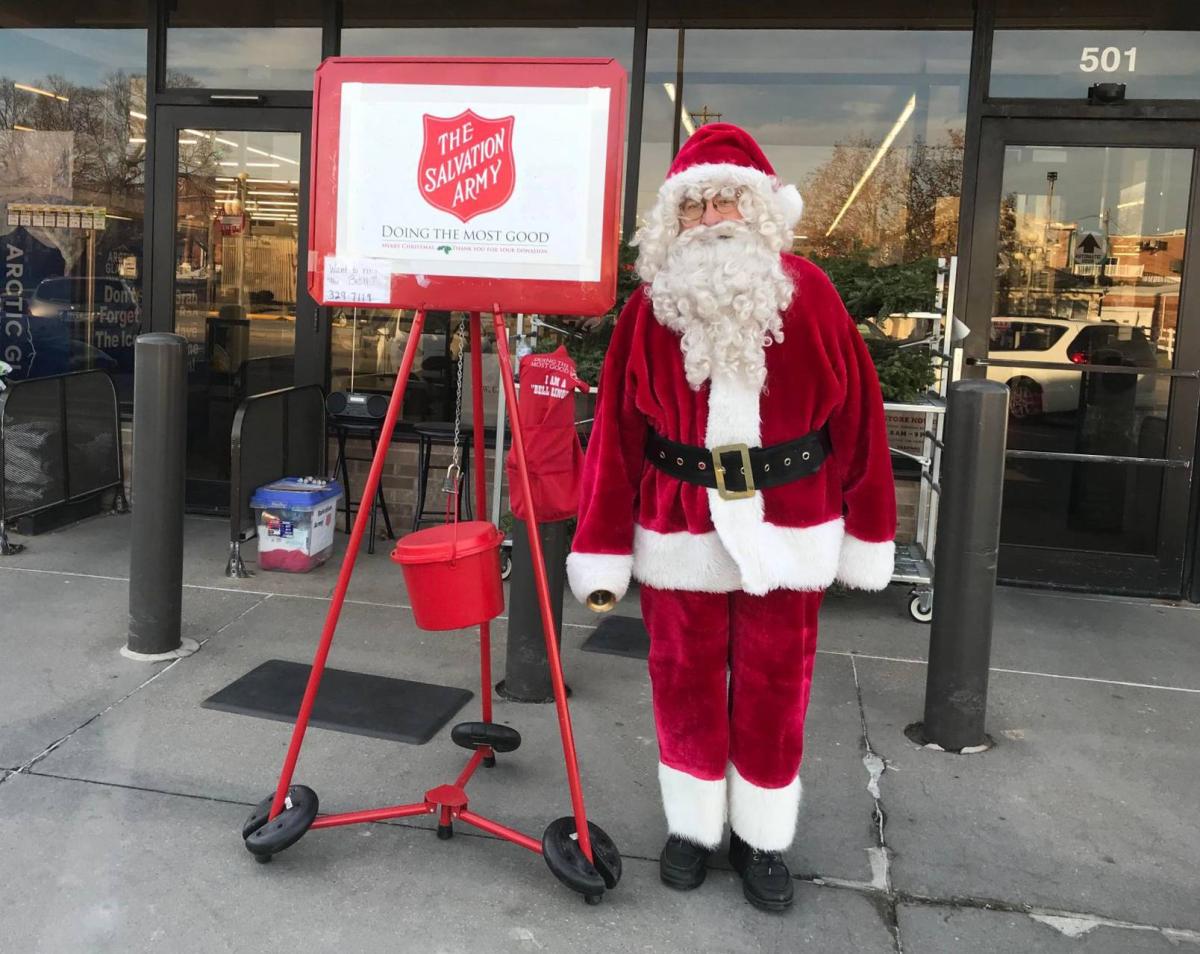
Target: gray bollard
[(968, 542), (526, 668), (159, 449)]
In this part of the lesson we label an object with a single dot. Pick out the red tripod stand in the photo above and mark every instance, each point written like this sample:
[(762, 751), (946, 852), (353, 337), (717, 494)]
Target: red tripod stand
[(578, 852)]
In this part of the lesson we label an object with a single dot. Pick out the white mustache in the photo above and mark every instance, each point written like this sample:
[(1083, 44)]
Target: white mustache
[(729, 228)]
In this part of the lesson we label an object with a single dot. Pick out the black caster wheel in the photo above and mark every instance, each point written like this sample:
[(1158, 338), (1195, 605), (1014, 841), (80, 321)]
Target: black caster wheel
[(560, 848), (263, 859), (473, 735), (265, 837), (489, 761), (920, 606), (445, 832), (506, 564)]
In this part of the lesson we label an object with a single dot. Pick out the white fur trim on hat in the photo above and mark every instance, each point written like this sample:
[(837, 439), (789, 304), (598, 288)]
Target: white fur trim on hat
[(765, 818), (695, 807), (785, 199), (589, 572), (789, 200), (866, 566)]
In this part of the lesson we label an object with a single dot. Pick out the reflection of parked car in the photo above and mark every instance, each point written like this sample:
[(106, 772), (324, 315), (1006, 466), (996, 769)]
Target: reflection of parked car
[(114, 320), (65, 296), (1035, 391)]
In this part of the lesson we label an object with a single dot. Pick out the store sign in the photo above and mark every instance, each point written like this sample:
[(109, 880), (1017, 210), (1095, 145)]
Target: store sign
[(462, 184), (26, 263), (1110, 59), (906, 431)]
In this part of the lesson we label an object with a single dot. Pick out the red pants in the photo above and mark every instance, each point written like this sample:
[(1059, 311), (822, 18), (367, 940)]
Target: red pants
[(731, 675)]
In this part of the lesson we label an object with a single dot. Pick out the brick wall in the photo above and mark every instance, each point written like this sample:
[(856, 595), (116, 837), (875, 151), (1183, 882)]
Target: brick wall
[(400, 478)]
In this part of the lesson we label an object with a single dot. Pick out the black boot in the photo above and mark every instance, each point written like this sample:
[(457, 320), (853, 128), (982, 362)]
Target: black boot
[(766, 881), (683, 864)]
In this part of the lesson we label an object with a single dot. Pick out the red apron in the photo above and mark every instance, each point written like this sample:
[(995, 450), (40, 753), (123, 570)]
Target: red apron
[(552, 451)]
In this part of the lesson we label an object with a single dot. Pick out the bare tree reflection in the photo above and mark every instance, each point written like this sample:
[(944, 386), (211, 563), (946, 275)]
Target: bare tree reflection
[(905, 209)]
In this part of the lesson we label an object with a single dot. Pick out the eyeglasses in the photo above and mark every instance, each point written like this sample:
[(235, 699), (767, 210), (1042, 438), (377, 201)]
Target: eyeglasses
[(692, 210)]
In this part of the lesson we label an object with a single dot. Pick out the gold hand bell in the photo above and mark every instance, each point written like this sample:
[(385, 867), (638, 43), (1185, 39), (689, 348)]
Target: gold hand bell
[(601, 601)]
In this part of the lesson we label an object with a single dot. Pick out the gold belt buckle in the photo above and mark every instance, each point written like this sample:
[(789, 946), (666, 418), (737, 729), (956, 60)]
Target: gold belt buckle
[(719, 471)]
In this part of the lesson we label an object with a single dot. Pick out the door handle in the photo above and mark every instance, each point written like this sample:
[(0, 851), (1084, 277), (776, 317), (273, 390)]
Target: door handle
[(235, 98)]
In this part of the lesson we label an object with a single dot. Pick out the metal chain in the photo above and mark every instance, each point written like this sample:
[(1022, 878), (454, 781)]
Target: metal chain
[(455, 467)]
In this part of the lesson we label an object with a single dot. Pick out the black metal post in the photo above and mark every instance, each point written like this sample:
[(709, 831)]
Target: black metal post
[(526, 668), (159, 448), (968, 543)]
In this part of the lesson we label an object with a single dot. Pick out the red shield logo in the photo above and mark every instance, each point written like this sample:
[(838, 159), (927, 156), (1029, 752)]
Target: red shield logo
[(466, 166)]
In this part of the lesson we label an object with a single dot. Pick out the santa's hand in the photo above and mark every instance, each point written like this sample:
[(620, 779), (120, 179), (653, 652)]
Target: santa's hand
[(594, 325), (592, 574)]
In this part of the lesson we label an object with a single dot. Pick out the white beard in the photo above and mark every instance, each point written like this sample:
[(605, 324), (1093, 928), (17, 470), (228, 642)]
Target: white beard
[(722, 288)]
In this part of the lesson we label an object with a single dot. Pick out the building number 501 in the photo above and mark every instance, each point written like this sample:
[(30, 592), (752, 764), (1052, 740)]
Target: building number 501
[(1107, 60)]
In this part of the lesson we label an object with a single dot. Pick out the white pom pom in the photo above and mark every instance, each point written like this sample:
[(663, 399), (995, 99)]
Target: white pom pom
[(787, 199)]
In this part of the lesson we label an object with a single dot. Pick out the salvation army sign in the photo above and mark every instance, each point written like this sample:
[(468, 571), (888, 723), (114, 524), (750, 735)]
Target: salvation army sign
[(467, 184), (466, 166)]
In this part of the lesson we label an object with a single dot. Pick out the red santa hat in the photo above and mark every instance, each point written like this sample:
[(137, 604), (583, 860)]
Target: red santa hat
[(724, 154)]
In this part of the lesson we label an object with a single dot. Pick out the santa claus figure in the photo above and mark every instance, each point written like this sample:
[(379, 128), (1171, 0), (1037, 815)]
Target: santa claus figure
[(738, 465)]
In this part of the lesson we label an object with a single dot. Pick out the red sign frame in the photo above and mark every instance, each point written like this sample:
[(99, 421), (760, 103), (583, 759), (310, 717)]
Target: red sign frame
[(457, 293)]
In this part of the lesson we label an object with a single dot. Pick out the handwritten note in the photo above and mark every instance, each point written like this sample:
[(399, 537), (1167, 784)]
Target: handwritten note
[(359, 281)]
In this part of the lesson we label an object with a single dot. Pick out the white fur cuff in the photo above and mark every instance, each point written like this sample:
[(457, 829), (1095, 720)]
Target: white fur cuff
[(866, 566), (695, 807), (588, 572), (765, 818), (697, 562)]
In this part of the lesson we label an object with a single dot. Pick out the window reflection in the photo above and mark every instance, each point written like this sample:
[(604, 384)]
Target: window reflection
[(868, 123), (1088, 269), (249, 44), (367, 349), (237, 201), (72, 190)]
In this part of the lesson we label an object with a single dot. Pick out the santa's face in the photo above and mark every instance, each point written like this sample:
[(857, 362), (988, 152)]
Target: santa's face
[(710, 210), (721, 286)]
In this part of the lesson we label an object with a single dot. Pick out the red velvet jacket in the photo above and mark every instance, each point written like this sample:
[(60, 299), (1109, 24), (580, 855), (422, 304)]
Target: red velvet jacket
[(836, 524)]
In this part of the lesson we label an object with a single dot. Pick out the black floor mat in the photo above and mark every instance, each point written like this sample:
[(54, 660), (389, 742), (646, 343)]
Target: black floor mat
[(354, 702), (620, 636)]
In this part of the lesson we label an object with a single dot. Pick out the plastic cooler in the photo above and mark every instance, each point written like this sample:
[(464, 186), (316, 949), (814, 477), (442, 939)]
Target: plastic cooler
[(295, 519)]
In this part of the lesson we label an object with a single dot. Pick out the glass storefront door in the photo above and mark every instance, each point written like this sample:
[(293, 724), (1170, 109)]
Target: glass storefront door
[(230, 251), (1080, 281)]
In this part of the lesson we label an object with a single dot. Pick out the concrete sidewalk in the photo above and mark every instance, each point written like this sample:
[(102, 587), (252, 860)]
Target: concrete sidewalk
[(121, 799)]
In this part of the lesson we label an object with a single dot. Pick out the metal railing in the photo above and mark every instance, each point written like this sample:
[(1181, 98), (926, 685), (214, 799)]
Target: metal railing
[(275, 434), (60, 442)]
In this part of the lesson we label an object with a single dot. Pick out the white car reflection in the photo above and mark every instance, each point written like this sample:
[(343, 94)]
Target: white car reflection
[(1036, 391)]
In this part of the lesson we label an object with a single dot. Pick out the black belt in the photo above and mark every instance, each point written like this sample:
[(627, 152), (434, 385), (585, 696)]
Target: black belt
[(723, 468)]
